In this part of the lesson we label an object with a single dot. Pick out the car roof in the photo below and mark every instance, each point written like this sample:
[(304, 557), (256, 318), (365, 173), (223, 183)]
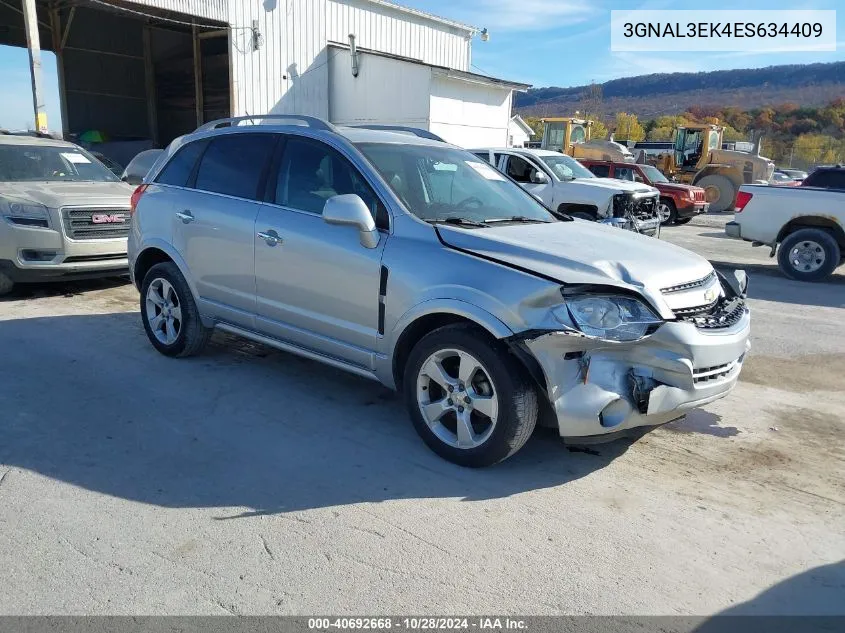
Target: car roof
[(25, 139), (366, 135)]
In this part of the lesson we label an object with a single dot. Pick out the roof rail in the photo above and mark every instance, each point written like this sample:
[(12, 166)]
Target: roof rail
[(309, 121), (416, 131)]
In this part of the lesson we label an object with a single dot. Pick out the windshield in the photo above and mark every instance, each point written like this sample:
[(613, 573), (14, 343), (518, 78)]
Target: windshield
[(653, 174), (566, 167), (443, 183), (21, 163)]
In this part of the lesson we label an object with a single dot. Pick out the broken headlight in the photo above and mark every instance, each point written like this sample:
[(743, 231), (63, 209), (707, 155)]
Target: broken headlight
[(614, 318)]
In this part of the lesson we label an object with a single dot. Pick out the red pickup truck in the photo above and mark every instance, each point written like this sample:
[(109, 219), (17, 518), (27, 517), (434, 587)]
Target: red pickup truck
[(679, 203)]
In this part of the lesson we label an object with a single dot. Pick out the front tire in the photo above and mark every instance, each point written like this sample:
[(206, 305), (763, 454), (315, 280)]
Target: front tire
[(169, 312), (469, 400), (722, 188), (6, 284), (809, 255)]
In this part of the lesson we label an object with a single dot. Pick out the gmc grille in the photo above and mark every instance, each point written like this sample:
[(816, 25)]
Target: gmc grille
[(80, 224), (644, 208)]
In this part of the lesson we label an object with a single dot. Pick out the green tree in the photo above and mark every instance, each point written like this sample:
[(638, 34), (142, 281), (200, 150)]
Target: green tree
[(628, 127), (599, 130)]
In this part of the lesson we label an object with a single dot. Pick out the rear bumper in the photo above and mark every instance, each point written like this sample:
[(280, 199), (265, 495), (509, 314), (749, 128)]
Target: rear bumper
[(609, 388), (733, 229)]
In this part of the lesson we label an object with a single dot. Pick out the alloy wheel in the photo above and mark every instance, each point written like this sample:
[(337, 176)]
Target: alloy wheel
[(457, 398), (164, 311)]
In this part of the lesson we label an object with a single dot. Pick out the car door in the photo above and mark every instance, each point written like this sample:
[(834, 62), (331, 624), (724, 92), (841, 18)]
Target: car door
[(317, 286), (214, 223), (520, 169)]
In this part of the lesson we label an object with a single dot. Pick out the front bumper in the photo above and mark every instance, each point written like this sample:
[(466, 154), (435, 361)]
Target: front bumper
[(30, 254), (692, 209), (599, 388)]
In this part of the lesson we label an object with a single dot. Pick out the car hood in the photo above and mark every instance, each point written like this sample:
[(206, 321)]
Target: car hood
[(612, 184), (583, 252), (60, 194)]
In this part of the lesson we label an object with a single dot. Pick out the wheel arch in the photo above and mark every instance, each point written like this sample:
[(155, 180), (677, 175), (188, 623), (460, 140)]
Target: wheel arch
[(575, 207), (813, 222), (434, 314), (156, 252)]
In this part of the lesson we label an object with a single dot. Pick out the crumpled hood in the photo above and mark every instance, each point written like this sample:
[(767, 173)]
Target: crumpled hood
[(611, 183), (59, 194), (583, 252)]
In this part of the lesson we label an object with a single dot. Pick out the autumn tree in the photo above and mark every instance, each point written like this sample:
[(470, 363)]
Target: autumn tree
[(628, 127), (599, 130)]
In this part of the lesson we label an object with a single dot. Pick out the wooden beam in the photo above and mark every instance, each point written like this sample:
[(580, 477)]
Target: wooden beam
[(67, 26), (33, 45), (58, 43), (150, 83), (198, 100)]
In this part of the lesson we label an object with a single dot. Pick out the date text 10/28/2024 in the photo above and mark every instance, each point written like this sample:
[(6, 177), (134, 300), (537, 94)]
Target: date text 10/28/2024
[(418, 624)]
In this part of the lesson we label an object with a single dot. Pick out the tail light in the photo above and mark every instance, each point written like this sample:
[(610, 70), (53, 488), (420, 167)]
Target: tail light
[(136, 196), (742, 199)]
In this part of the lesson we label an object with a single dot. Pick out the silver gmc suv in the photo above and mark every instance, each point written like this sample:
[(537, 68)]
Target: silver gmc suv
[(63, 214), (416, 264)]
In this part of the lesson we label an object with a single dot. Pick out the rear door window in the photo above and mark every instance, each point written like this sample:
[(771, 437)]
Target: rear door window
[(179, 168), (236, 165)]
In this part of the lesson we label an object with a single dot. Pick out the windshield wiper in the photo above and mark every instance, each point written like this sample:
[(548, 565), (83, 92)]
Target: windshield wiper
[(458, 221), (519, 218)]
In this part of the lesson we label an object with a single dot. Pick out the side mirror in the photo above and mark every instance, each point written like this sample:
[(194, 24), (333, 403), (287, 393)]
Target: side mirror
[(132, 179), (539, 177), (349, 210)]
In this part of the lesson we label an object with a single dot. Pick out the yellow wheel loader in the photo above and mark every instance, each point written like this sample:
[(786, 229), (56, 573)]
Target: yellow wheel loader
[(571, 136)]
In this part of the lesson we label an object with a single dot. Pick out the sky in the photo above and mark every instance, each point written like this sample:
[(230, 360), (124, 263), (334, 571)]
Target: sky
[(540, 42), (567, 42)]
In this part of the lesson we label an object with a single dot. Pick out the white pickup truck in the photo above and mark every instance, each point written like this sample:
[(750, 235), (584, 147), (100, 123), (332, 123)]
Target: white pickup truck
[(804, 225)]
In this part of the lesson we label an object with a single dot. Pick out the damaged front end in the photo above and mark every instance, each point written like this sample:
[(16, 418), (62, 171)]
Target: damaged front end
[(602, 383)]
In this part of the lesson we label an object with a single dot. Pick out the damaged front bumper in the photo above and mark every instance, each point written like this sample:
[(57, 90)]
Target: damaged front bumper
[(598, 388)]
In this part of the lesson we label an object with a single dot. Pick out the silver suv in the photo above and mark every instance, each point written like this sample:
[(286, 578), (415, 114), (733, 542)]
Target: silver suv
[(416, 264), (63, 214)]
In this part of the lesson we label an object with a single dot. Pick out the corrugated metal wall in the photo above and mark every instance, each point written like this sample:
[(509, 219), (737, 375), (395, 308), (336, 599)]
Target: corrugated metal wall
[(210, 9), (396, 32), (288, 72)]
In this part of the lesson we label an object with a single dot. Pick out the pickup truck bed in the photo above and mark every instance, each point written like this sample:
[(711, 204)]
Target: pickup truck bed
[(805, 226)]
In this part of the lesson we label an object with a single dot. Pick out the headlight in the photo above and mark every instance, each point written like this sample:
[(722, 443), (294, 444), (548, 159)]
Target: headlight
[(614, 318), (23, 210)]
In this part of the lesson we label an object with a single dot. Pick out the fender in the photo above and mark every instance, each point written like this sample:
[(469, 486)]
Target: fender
[(448, 306)]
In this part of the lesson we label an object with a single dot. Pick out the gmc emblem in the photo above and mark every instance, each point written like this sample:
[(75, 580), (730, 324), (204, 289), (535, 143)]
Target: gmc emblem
[(106, 218)]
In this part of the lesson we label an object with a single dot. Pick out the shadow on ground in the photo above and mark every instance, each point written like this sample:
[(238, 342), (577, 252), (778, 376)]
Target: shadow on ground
[(62, 288), (86, 400)]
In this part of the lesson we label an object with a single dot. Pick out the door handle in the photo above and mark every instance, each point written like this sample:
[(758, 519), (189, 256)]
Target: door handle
[(186, 216), (271, 237)]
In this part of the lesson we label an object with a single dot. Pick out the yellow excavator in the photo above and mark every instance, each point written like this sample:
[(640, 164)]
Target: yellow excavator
[(571, 136), (697, 158)]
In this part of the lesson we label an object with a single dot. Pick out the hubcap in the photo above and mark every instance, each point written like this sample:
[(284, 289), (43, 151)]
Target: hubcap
[(457, 398), (164, 311), (712, 193), (807, 256)]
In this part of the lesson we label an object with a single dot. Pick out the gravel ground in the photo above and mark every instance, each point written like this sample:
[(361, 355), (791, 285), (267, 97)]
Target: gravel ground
[(251, 481)]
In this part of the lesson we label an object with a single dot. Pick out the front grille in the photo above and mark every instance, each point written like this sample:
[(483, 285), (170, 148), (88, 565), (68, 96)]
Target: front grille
[(699, 196), (718, 315), (80, 224), (625, 205), (711, 374), (690, 285)]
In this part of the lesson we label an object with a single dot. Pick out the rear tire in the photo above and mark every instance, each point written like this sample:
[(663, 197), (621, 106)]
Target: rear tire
[(169, 312), (809, 255), (501, 401), (725, 188)]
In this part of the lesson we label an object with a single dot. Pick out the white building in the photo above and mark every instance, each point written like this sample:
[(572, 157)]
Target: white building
[(519, 132), (157, 68)]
